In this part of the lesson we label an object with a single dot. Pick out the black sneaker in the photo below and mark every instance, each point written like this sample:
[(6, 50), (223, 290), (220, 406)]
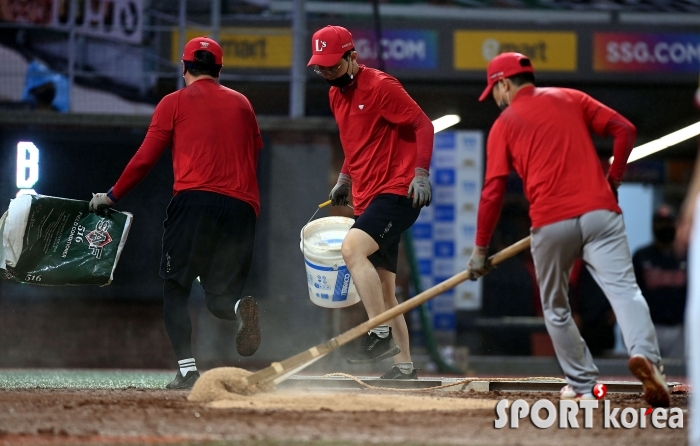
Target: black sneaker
[(374, 349), (248, 336), (396, 373), (187, 382)]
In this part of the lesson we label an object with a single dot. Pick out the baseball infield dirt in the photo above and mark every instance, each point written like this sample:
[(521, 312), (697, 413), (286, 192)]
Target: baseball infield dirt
[(133, 416)]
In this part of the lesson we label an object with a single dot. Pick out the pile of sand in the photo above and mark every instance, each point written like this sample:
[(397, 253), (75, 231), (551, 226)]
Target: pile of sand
[(224, 383), (225, 388)]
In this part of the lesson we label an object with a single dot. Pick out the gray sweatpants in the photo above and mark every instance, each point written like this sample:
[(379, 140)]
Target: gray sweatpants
[(599, 238)]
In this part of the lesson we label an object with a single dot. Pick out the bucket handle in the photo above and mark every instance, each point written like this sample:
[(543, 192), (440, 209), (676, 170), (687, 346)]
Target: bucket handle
[(303, 236)]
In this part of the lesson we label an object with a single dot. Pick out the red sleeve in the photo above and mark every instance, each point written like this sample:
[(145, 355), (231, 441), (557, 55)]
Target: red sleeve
[(158, 137), (399, 108), (497, 170), (425, 136), (139, 166), (497, 159), (489, 209), (624, 134), (595, 113), (257, 137), (344, 169), (605, 121)]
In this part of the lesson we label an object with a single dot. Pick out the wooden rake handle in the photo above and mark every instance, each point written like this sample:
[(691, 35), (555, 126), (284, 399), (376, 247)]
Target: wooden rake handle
[(300, 361)]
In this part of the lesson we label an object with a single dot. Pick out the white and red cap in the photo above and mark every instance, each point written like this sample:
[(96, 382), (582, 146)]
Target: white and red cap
[(505, 65), (204, 44), (329, 44)]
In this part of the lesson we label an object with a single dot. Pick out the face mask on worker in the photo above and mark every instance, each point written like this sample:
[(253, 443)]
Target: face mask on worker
[(343, 80), (665, 234)]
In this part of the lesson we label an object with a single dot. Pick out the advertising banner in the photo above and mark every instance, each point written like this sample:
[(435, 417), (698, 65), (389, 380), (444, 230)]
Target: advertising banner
[(646, 52), (443, 235), (246, 47), (112, 19), (549, 51), (401, 49)]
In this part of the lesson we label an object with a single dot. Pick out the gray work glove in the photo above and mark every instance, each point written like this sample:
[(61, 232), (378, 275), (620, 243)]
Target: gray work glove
[(100, 203), (339, 194), (478, 263), (420, 189)]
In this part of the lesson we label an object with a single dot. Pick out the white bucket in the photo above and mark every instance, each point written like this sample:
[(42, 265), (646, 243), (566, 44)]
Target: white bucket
[(329, 281)]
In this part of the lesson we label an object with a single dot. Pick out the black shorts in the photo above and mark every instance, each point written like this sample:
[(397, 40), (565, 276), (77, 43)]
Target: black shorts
[(210, 236), (385, 219)]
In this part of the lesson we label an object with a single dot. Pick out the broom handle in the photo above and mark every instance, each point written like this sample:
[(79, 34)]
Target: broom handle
[(428, 294), (299, 361)]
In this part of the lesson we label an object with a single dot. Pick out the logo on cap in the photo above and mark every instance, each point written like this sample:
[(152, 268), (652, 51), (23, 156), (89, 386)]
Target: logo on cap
[(320, 45), (204, 44)]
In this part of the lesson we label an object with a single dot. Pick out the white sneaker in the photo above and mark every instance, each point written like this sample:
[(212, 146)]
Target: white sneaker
[(567, 393)]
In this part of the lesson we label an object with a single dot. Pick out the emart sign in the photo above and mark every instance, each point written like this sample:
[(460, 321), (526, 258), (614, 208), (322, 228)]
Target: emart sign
[(549, 51), (545, 414), (246, 47)]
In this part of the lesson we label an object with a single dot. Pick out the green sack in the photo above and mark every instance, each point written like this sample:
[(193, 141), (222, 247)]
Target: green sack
[(57, 241)]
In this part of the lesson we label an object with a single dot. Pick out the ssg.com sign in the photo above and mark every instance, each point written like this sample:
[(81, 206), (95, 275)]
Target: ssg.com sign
[(399, 48), (642, 52)]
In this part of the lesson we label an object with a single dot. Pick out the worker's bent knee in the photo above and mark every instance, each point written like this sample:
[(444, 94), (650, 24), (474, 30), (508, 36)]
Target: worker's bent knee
[(222, 306), (357, 244)]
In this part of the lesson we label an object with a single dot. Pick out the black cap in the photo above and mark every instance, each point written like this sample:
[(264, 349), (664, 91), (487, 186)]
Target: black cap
[(664, 213)]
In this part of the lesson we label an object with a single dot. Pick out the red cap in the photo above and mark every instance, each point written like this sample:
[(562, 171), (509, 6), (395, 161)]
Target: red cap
[(505, 65), (205, 44), (329, 44)]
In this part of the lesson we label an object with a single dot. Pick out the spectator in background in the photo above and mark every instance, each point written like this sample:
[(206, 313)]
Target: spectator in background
[(45, 89), (662, 277), (44, 95)]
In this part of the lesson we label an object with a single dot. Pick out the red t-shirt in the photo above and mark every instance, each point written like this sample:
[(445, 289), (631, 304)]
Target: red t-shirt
[(384, 133), (215, 141), (544, 135)]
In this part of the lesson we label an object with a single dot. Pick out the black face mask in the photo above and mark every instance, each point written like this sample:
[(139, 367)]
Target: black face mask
[(341, 81), (665, 234)]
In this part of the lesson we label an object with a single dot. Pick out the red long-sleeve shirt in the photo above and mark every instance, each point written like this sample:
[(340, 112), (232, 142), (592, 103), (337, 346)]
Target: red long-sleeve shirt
[(544, 135), (384, 133), (215, 140)]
